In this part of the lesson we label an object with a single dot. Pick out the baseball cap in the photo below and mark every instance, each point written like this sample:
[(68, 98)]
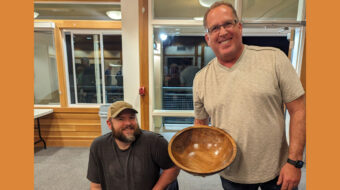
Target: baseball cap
[(118, 107)]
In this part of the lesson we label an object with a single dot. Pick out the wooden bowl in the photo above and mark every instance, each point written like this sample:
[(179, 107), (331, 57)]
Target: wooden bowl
[(202, 150)]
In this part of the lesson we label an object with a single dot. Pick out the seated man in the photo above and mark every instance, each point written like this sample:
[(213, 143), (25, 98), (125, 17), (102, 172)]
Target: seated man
[(129, 158)]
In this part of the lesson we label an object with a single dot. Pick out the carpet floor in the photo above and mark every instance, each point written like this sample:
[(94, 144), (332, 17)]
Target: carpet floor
[(57, 168)]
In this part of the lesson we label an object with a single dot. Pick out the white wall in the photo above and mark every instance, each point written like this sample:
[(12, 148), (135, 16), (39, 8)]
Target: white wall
[(130, 48), (45, 68)]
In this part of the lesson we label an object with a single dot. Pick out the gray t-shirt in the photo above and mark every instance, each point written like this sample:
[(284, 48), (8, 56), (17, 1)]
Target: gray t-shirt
[(137, 168), (246, 101)]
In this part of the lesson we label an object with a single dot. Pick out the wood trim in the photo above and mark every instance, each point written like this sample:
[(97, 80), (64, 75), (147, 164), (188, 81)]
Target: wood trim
[(79, 1), (144, 62), (291, 43), (70, 110), (89, 24), (85, 24), (60, 66)]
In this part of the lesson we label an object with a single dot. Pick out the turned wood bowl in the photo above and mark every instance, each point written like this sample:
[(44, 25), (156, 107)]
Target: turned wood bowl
[(202, 150)]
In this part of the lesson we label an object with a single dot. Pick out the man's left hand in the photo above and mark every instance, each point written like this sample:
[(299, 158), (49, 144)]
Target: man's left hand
[(289, 177)]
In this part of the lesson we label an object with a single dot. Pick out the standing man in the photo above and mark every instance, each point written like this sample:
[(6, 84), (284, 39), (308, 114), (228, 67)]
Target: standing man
[(243, 91), (129, 158)]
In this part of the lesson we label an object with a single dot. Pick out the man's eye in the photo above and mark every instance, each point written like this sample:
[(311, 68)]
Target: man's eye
[(227, 24), (214, 28)]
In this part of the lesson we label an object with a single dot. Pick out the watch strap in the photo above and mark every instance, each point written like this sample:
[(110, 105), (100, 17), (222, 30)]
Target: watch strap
[(297, 163)]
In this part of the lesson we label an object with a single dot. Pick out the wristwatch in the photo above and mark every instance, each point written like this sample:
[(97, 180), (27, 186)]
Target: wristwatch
[(297, 163)]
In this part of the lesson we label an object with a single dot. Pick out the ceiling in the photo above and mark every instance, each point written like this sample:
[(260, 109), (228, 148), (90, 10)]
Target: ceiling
[(69, 11)]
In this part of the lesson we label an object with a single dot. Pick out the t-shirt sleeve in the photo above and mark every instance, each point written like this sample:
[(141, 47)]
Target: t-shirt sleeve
[(159, 151), (289, 82), (199, 110), (93, 165)]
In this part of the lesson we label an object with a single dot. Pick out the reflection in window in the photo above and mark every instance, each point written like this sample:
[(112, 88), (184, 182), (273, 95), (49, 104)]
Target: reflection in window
[(91, 78), (183, 57), (46, 89), (270, 10), (177, 59), (179, 9)]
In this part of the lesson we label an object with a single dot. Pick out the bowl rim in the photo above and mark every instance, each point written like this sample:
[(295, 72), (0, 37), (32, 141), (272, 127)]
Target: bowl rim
[(203, 127)]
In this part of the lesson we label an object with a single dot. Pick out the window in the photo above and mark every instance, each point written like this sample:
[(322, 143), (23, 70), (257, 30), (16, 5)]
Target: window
[(285, 10), (94, 67), (46, 88)]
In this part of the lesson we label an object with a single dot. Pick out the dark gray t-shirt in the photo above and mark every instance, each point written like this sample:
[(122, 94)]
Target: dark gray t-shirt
[(136, 168)]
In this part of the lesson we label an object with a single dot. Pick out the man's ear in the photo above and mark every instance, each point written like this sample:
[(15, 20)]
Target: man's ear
[(109, 124), (240, 26), (207, 39)]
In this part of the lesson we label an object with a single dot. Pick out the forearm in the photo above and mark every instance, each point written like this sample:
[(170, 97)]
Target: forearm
[(95, 186), (297, 131), (167, 176), (201, 121)]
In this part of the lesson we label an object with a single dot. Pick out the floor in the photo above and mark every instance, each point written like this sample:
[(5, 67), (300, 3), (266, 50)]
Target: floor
[(58, 168), (65, 168)]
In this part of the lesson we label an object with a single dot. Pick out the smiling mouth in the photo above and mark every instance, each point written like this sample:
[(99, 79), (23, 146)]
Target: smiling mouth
[(225, 41)]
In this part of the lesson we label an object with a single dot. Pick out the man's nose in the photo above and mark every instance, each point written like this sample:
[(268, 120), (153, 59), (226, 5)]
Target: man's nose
[(127, 122), (223, 31)]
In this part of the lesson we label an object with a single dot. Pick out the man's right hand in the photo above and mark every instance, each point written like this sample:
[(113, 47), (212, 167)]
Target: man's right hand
[(95, 186)]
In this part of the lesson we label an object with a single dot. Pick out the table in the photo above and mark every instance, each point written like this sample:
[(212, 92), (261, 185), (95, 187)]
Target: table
[(37, 114)]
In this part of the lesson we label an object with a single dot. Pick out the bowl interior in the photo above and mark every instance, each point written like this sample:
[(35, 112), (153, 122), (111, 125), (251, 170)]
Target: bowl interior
[(202, 150)]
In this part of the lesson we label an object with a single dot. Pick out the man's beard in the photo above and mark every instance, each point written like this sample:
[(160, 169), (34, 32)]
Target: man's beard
[(127, 139)]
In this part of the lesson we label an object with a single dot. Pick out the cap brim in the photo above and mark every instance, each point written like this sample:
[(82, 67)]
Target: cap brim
[(122, 109)]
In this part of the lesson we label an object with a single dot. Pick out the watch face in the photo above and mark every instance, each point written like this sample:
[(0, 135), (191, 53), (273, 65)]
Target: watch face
[(299, 164)]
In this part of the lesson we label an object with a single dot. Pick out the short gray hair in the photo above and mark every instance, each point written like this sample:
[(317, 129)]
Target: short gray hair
[(217, 4)]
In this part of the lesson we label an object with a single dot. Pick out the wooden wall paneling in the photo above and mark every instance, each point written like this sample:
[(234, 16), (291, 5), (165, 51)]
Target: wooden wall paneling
[(70, 129), (144, 62)]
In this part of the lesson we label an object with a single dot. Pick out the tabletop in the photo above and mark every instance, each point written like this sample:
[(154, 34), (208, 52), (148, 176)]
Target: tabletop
[(41, 112)]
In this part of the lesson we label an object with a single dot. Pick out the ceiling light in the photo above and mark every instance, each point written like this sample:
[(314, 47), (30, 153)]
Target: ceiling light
[(115, 15), (36, 14), (163, 36), (207, 3), (198, 18)]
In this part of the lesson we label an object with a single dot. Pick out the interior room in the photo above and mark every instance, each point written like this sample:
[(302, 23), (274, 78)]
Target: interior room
[(90, 54)]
